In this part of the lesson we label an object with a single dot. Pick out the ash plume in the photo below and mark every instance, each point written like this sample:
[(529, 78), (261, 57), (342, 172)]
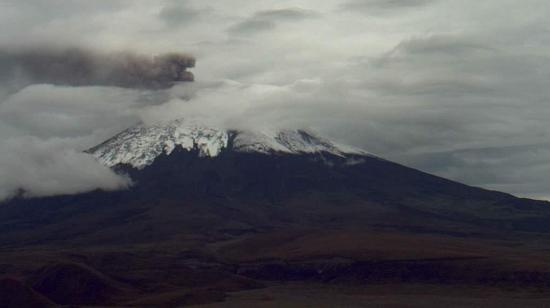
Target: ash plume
[(81, 67)]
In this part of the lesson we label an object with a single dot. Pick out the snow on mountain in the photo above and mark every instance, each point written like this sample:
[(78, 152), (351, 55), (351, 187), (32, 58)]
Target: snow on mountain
[(139, 146)]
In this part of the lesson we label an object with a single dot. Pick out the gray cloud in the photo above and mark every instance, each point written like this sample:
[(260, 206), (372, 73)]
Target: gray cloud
[(442, 45), (252, 26), (48, 111), (288, 14), (179, 13), (268, 20), (384, 6)]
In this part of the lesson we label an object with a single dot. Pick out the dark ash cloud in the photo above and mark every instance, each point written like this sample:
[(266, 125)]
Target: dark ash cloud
[(81, 67)]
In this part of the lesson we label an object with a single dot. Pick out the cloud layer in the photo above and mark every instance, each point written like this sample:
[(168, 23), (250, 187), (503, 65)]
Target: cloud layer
[(458, 88), (36, 168)]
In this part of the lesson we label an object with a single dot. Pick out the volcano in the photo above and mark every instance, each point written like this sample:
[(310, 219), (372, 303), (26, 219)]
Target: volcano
[(212, 211)]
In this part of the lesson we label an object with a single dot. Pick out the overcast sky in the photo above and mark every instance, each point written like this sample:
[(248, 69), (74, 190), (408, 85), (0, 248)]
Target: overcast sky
[(456, 88)]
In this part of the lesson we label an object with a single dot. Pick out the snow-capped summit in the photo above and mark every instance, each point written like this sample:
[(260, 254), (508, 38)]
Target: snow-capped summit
[(139, 146)]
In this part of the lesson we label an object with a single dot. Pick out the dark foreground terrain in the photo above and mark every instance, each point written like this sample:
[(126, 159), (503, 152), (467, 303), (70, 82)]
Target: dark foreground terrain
[(272, 231), (306, 268)]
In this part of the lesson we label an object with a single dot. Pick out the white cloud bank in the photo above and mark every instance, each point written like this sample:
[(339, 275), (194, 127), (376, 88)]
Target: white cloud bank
[(44, 168)]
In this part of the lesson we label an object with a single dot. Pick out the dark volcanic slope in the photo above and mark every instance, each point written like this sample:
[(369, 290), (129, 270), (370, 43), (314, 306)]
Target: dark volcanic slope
[(237, 192)]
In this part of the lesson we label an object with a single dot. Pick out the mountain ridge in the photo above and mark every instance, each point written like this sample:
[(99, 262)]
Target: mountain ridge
[(293, 180)]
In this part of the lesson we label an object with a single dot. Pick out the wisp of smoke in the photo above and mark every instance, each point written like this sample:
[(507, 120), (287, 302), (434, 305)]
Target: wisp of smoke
[(80, 67)]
